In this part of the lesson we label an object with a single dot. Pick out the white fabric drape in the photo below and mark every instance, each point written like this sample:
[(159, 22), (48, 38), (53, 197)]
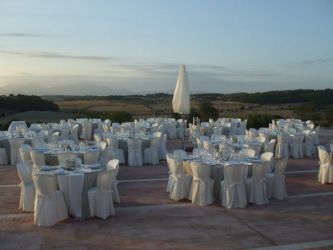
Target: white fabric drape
[(181, 96)]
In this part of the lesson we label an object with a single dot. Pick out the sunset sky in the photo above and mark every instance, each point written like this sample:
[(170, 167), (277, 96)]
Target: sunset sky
[(136, 46)]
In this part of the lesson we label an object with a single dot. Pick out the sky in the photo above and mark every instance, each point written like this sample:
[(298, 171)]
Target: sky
[(105, 47)]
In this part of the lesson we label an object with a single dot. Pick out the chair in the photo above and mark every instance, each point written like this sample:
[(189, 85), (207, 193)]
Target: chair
[(308, 144), (268, 156), (114, 165), (116, 152), (91, 157), (201, 192), (50, 206), (150, 155), (270, 147), (296, 146), (233, 187), (247, 153), (282, 146), (325, 174), (134, 152), (86, 132), (179, 184), (28, 191), (276, 186), (100, 197), (163, 149), (38, 160), (97, 138), (74, 135), (256, 185), (3, 156), (101, 145), (15, 144), (25, 153)]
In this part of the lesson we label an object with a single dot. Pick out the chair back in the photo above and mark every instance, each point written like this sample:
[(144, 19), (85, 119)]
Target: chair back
[(102, 146), (155, 143), (175, 168), (280, 167), (25, 152), (283, 139), (45, 184), (105, 180), (37, 158), (97, 138), (91, 157), (157, 134), (271, 146), (235, 173), (25, 172), (112, 142), (260, 170), (134, 144), (113, 165), (200, 171), (324, 157)]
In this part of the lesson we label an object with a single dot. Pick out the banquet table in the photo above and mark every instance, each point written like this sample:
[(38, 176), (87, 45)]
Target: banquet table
[(217, 171), (75, 185), (51, 156)]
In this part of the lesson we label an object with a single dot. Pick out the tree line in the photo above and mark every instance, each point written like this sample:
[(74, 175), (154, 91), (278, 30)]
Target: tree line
[(21, 103)]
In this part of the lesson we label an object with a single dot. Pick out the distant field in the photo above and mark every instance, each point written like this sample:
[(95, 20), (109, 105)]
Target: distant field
[(162, 107)]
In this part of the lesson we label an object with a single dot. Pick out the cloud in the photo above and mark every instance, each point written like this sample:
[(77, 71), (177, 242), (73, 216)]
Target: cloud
[(312, 62), (14, 34), (56, 55)]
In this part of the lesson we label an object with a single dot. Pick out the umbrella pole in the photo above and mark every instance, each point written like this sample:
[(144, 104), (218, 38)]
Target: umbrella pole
[(183, 139)]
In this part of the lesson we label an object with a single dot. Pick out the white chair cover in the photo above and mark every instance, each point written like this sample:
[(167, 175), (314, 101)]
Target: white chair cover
[(114, 165), (100, 197), (151, 155), (201, 191), (179, 183), (308, 144), (282, 146), (91, 157), (3, 156), (179, 155), (268, 157), (134, 152), (38, 160), (233, 189), (25, 153), (15, 144), (256, 185), (163, 149), (325, 174), (28, 191), (115, 151), (270, 147), (276, 186), (49, 205), (296, 146)]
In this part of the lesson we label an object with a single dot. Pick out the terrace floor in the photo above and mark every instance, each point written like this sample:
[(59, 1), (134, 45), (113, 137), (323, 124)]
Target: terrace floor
[(147, 219)]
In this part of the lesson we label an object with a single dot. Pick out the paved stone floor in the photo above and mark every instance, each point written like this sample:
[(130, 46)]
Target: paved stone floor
[(147, 219)]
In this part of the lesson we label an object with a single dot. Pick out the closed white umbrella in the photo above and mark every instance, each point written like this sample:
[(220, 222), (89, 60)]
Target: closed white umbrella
[(181, 96)]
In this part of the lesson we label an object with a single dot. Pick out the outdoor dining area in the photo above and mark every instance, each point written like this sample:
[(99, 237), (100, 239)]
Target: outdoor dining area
[(70, 168)]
